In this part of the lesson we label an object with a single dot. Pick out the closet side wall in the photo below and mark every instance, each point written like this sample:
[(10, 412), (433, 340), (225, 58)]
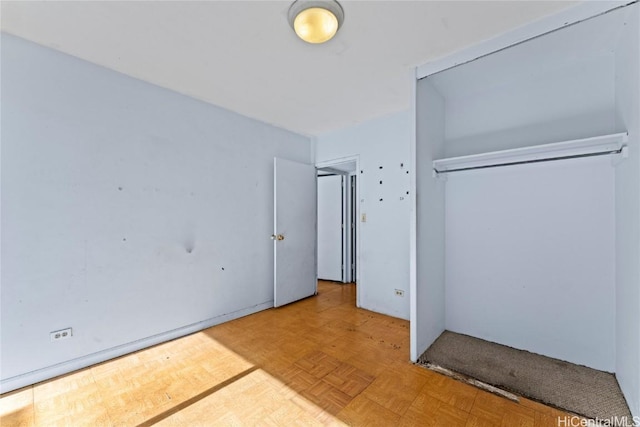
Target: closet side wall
[(430, 292), (628, 215)]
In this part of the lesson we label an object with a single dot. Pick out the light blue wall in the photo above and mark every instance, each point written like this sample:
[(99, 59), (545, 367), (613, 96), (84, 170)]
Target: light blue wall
[(384, 237), (530, 250), (430, 294), (628, 214), (128, 212), (552, 106)]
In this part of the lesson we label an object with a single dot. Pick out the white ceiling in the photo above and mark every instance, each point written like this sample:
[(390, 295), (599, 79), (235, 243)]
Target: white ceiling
[(243, 56)]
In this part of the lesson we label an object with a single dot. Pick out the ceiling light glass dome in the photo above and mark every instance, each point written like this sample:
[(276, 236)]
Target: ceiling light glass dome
[(316, 21)]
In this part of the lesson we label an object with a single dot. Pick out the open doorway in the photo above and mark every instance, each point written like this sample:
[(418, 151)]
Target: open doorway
[(338, 228)]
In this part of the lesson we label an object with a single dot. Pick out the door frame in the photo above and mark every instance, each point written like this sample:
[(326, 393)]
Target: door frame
[(337, 162)]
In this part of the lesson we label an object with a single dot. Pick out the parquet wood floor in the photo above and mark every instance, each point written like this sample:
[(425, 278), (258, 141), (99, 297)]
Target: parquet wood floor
[(319, 361)]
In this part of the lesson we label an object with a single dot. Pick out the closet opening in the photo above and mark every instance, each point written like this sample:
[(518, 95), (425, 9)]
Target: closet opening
[(526, 164)]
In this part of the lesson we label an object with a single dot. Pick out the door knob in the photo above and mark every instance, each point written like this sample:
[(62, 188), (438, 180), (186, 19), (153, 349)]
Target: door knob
[(277, 237)]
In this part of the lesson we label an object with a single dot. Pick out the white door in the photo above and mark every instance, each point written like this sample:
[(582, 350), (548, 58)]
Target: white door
[(294, 234), (330, 228)]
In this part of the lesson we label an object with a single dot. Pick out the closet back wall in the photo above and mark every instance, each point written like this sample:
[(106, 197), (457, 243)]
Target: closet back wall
[(530, 258)]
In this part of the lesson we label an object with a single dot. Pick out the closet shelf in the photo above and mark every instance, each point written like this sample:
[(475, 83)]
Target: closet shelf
[(605, 144)]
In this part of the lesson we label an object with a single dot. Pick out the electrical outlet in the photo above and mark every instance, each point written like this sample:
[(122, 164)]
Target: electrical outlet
[(61, 334), (399, 293)]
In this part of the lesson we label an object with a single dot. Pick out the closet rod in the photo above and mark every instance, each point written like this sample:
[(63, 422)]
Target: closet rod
[(524, 162)]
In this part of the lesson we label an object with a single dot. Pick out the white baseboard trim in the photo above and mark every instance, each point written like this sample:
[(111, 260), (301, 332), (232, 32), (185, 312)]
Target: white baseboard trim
[(33, 377)]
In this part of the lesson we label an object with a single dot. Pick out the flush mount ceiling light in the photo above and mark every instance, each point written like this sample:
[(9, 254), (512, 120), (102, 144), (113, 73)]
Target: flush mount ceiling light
[(316, 21)]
